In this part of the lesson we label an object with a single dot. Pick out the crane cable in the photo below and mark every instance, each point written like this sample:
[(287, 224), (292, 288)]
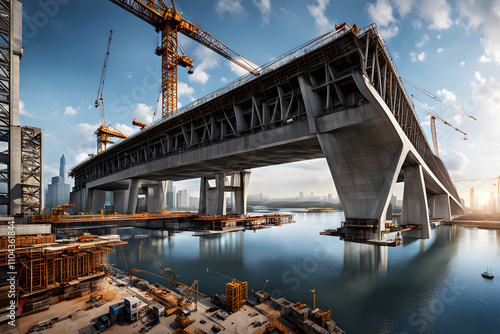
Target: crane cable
[(437, 98)]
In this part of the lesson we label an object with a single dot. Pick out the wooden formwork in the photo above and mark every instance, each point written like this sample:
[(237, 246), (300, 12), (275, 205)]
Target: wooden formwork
[(40, 268), (28, 240)]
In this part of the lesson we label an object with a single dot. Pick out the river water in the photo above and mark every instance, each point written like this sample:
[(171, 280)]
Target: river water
[(422, 286)]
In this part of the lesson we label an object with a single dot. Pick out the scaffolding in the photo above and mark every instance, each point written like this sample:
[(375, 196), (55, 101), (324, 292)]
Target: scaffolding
[(41, 268), (31, 170), (236, 294)]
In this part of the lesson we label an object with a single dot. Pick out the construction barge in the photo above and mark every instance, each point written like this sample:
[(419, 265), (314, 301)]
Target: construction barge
[(171, 221)]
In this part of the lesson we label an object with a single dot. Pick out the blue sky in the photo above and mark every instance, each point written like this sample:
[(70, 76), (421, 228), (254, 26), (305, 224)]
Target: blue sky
[(450, 48)]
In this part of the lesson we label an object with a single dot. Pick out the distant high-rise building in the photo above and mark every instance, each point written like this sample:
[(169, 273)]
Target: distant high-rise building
[(182, 199), (492, 207), (58, 191), (193, 202), (171, 196), (330, 198), (301, 195), (312, 195), (261, 197), (62, 167), (394, 200)]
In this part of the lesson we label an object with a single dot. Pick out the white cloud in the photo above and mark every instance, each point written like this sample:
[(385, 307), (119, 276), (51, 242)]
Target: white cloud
[(420, 57), (318, 12), (126, 129), (129, 75), (389, 32), (404, 6), (184, 89), (265, 9), (483, 59), (486, 17), (479, 78), (223, 79), (462, 64), (438, 37), (455, 162), (447, 95), (437, 13), (208, 60), (70, 111), (425, 39), (487, 91), (142, 113), (199, 76), (232, 7), (80, 157), (440, 50), (237, 69), (381, 13)]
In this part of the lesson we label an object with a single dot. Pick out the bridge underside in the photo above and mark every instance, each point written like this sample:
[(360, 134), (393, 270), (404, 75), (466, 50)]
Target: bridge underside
[(342, 101)]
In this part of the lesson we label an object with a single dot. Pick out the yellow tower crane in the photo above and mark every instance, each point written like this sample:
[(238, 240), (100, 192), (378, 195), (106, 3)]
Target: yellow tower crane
[(472, 188), (433, 124), (169, 21), (105, 132)]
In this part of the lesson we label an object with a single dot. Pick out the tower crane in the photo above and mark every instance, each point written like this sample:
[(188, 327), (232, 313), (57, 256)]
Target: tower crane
[(436, 98), (169, 21), (169, 271), (433, 124), (105, 132), (475, 187)]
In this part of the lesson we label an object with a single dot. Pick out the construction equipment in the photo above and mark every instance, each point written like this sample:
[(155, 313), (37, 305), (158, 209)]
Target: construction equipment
[(475, 187), (314, 298), (169, 279), (436, 98), (169, 271), (183, 321), (433, 124), (236, 292), (182, 300), (105, 132), (264, 285), (126, 266), (169, 21)]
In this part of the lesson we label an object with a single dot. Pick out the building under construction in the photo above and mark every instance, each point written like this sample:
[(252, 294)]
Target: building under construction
[(21, 147), (48, 271)]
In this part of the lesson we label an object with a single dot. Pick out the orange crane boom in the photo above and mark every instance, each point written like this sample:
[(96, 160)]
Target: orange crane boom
[(433, 124), (170, 21), (105, 132)]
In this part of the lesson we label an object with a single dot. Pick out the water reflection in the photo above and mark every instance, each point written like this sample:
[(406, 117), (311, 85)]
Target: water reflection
[(365, 259), (227, 247)]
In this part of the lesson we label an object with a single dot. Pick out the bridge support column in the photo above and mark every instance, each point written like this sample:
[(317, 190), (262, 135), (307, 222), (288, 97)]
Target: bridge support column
[(213, 199), (365, 166), (120, 198), (156, 197), (431, 205), (132, 193), (78, 199), (443, 209), (98, 200), (239, 198), (415, 209)]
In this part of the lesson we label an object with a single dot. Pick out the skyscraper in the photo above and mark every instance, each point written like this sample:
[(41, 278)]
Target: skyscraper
[(62, 167), (58, 191)]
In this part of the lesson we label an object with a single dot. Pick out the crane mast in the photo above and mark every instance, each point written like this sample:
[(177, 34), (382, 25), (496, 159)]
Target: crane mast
[(99, 100), (169, 21)]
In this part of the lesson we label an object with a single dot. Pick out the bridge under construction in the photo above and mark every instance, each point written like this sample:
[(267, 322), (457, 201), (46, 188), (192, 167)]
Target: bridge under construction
[(338, 96)]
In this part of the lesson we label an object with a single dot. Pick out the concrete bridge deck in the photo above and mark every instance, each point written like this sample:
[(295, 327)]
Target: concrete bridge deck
[(338, 96)]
